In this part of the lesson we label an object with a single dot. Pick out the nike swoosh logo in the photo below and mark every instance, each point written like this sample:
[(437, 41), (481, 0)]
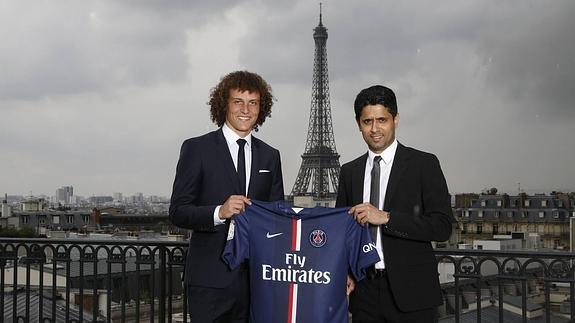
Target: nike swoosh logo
[(268, 235)]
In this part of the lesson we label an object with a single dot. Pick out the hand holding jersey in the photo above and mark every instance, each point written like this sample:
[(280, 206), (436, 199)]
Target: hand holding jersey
[(299, 260)]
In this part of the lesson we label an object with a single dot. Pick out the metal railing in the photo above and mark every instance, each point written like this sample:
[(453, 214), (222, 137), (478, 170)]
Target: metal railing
[(485, 277), (88, 280)]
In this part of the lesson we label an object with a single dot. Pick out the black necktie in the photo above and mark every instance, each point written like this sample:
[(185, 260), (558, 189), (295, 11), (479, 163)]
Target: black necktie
[(242, 166), (374, 193)]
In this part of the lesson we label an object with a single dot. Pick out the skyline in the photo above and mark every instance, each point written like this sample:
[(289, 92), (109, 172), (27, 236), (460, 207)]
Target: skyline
[(100, 94)]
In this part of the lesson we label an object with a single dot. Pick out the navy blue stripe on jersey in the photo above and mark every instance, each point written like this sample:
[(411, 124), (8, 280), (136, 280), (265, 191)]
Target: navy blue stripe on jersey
[(299, 260)]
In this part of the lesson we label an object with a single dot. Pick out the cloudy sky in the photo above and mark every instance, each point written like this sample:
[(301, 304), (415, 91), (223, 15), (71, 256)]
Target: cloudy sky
[(100, 94)]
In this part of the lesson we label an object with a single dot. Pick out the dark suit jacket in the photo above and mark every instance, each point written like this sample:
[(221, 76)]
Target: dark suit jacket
[(419, 205), (205, 178)]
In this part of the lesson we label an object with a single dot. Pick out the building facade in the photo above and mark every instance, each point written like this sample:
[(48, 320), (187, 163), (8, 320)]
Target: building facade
[(546, 216)]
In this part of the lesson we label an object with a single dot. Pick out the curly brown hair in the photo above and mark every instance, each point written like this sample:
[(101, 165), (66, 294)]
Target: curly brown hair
[(242, 81)]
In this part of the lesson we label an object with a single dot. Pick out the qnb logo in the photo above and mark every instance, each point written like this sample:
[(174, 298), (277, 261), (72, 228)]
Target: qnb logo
[(368, 247)]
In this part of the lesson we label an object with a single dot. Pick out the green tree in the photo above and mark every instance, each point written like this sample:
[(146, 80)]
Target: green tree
[(24, 232)]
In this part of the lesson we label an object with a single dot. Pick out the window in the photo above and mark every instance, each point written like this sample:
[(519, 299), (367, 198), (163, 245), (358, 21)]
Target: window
[(495, 228), (464, 230), (541, 228), (510, 214), (544, 203), (556, 214), (70, 219), (496, 214), (480, 228), (42, 219), (56, 219), (527, 203), (86, 218), (480, 214), (467, 213), (24, 219), (483, 203), (524, 214), (513, 203), (541, 214)]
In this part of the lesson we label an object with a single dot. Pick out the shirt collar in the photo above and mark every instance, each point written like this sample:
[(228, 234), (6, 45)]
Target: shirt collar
[(232, 137), (386, 156)]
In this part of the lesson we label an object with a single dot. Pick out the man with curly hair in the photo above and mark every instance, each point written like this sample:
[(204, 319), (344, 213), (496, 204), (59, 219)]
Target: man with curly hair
[(216, 176)]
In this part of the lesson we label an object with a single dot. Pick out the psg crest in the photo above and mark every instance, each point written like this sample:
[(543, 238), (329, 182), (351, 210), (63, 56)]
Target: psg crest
[(317, 238)]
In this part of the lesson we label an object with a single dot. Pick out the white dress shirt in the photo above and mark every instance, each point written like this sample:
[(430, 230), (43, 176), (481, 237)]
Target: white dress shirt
[(385, 164), (233, 147)]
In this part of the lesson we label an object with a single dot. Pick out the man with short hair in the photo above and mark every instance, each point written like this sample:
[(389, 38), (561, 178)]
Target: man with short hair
[(402, 195), (217, 175)]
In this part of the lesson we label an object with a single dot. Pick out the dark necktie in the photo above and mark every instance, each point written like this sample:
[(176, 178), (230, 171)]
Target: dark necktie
[(374, 192), (242, 166)]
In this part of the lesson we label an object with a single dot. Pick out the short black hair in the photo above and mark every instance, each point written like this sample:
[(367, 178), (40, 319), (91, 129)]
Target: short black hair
[(376, 94)]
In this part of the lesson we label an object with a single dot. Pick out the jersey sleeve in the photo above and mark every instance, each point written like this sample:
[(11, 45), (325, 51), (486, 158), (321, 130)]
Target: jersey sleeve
[(361, 250), (237, 247)]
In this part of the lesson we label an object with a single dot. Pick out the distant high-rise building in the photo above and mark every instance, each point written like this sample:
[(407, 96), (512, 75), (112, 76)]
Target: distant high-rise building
[(64, 193), (6, 209), (139, 198), (100, 199), (75, 199), (60, 195), (154, 199)]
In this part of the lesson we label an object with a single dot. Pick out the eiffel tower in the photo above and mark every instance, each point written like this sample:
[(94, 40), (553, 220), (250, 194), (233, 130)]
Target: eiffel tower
[(320, 161)]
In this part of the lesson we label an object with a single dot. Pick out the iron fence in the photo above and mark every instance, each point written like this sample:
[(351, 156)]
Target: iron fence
[(88, 280)]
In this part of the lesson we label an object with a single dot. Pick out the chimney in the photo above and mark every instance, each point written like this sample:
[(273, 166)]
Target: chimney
[(6, 210)]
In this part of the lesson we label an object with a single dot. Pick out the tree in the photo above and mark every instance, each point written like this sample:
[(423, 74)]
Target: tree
[(24, 232)]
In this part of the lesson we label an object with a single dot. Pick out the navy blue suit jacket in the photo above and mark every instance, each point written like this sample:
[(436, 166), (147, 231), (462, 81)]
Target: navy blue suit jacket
[(205, 178), (420, 212)]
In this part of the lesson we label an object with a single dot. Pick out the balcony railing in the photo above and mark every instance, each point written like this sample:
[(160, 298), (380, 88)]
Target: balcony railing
[(507, 286), (87, 280)]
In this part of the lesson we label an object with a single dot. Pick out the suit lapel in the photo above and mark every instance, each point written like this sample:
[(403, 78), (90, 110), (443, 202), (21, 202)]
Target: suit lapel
[(225, 158), (255, 165), (357, 180), (399, 166)]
